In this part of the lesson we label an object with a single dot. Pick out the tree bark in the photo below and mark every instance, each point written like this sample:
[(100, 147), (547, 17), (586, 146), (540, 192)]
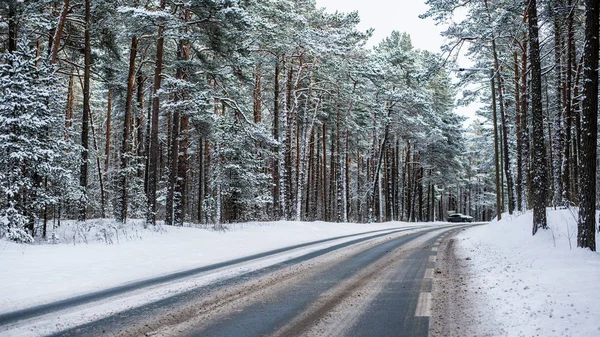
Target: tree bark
[(568, 113), (99, 168), (557, 147), (59, 29), (83, 179), (125, 148), (108, 133), (505, 154), (586, 230), (12, 26), (518, 114), (276, 148), (257, 93), (154, 145), (525, 150), (540, 172), (182, 159)]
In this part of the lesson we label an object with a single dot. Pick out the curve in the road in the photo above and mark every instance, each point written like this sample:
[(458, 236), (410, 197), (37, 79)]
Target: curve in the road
[(263, 320)]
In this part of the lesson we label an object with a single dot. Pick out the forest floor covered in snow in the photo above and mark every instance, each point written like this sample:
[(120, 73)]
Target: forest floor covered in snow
[(517, 284)]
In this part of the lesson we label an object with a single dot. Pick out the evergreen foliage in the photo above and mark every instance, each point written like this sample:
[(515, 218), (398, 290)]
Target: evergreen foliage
[(222, 111), (34, 170)]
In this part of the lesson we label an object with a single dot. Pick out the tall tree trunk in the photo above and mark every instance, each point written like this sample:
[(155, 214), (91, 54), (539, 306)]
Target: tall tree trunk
[(576, 149), (557, 147), (83, 178), (505, 152), (108, 133), (12, 26), (59, 29), (173, 156), (141, 120), (338, 162), (125, 149), (288, 126), (568, 113), (306, 131), (182, 153), (540, 172), (99, 168), (276, 148), (325, 198), (586, 230), (257, 93), (525, 149), (70, 104), (154, 145), (518, 114)]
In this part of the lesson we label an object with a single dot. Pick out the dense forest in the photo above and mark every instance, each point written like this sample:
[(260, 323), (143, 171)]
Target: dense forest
[(217, 111), (544, 61)]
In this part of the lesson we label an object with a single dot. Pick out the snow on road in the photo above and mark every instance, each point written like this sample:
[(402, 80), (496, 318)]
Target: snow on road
[(36, 274), (528, 285)]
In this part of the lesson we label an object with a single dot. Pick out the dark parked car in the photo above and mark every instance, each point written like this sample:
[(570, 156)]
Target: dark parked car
[(458, 217)]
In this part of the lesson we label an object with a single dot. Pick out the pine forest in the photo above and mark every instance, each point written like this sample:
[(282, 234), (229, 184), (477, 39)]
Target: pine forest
[(222, 111)]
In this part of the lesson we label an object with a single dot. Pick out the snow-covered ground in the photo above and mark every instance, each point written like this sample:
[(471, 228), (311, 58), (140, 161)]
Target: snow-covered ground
[(43, 273), (526, 285)]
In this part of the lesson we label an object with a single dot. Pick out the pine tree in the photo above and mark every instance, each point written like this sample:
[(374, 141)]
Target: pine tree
[(33, 173)]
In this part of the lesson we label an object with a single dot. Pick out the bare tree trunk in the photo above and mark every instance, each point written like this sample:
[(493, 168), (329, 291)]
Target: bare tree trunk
[(276, 159), (173, 157), (518, 113), (154, 145), (99, 167), (576, 149), (258, 93), (83, 179), (125, 148), (506, 161), (288, 126), (12, 26), (525, 150), (141, 120), (586, 229), (181, 156), (59, 29), (108, 133), (568, 113), (408, 170), (325, 199), (70, 104), (540, 171), (557, 148)]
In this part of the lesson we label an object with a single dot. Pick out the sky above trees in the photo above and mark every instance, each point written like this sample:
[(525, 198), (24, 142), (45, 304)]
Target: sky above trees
[(387, 15)]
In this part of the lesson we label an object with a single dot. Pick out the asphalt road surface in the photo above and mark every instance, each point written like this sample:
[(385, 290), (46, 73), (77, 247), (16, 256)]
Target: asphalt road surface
[(378, 285)]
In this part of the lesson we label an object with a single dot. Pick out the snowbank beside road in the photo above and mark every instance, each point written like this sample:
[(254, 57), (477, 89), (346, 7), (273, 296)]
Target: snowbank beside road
[(528, 285), (35, 274)]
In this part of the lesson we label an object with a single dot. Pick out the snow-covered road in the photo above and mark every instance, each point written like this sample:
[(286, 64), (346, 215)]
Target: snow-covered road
[(371, 286), (56, 312)]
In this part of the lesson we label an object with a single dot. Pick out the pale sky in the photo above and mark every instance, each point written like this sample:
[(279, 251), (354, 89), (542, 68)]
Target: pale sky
[(388, 15)]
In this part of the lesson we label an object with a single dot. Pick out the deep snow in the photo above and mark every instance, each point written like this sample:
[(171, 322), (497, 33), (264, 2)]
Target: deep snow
[(526, 285)]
